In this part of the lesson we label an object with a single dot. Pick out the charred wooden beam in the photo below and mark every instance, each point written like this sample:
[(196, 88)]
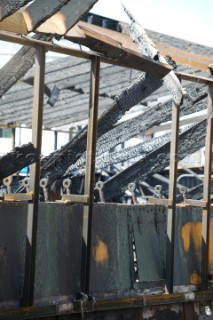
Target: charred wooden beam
[(148, 48), (8, 7), (49, 16), (195, 100), (140, 150), (18, 65), (189, 142), (129, 97), (17, 159), (67, 17)]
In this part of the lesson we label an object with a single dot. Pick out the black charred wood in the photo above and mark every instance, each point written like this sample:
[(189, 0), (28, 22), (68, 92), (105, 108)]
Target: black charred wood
[(17, 159), (59, 162), (18, 65), (195, 100), (189, 142), (8, 7)]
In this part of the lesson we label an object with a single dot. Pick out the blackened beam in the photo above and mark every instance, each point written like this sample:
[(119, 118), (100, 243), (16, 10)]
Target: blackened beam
[(50, 16), (59, 162), (140, 150), (17, 159), (8, 7), (195, 100), (18, 65), (147, 47), (189, 142)]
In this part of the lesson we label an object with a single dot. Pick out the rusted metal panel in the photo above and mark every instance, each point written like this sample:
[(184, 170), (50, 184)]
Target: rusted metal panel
[(188, 241), (12, 251), (58, 257), (110, 258), (59, 244), (149, 226)]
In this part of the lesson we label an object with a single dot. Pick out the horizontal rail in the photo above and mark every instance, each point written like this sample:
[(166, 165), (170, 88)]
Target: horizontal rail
[(77, 307), (76, 198), (133, 59), (194, 78)]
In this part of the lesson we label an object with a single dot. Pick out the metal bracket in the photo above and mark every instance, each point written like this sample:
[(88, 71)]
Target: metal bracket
[(28, 196), (43, 185), (99, 186), (131, 188), (79, 198), (66, 184), (7, 182)]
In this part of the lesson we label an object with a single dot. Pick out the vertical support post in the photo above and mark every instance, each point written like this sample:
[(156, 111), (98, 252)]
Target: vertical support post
[(32, 218), (90, 173), (172, 196), (13, 137), (55, 140), (207, 190)]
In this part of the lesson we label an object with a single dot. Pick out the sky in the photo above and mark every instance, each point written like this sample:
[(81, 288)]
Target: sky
[(191, 20)]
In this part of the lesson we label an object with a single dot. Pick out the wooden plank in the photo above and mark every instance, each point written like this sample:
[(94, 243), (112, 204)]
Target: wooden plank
[(77, 34), (131, 60), (67, 17), (40, 11), (14, 23), (8, 7), (126, 56), (53, 16), (27, 20), (180, 56)]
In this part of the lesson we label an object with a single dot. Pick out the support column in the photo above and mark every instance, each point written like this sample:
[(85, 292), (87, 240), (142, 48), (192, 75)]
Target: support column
[(170, 245), (90, 173), (32, 219), (207, 191)]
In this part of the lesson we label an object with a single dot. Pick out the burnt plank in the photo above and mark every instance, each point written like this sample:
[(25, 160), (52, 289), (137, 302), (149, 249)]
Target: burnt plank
[(67, 17), (8, 7), (194, 101), (50, 16), (189, 142), (129, 97), (17, 159), (17, 66), (39, 11)]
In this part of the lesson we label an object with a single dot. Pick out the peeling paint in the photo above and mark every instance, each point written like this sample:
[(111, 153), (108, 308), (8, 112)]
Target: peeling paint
[(191, 234), (195, 278), (101, 252)]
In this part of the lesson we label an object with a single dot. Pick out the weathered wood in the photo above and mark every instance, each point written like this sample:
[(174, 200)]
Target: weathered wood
[(17, 66), (36, 13), (181, 55), (148, 48), (17, 159), (113, 49), (50, 16), (67, 17), (189, 142), (8, 7)]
